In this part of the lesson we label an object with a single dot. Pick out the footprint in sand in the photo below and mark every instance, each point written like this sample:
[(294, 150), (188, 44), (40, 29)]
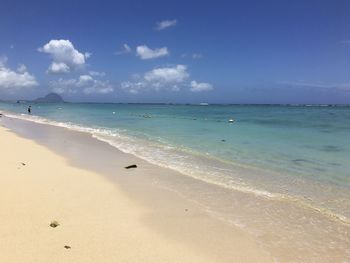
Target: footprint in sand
[(23, 164)]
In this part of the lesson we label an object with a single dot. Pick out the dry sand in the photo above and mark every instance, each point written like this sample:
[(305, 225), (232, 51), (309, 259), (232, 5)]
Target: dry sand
[(97, 220)]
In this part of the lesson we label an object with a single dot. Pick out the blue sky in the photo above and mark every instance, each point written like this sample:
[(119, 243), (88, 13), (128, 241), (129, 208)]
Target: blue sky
[(177, 51)]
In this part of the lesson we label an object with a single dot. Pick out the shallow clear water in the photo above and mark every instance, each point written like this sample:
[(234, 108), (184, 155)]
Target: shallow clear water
[(297, 156)]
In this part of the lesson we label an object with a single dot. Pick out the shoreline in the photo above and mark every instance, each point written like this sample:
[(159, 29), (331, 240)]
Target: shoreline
[(258, 181), (280, 230), (172, 226)]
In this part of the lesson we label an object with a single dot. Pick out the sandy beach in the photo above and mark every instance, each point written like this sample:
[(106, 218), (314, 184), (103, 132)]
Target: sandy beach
[(98, 221)]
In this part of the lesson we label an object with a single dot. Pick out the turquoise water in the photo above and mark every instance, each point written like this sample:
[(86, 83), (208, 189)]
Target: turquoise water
[(266, 150), (292, 162)]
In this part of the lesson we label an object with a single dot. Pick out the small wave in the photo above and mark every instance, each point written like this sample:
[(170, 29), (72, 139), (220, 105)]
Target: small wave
[(129, 148)]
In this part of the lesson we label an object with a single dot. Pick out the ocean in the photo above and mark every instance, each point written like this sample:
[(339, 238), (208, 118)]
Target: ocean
[(284, 169)]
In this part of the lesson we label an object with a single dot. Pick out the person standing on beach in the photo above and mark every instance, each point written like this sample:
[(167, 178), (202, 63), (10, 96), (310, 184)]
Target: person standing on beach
[(29, 109)]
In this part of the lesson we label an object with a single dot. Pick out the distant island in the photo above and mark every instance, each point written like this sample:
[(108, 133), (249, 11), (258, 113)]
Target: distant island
[(50, 98)]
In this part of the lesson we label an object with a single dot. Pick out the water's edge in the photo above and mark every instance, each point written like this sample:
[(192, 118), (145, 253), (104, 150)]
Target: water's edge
[(250, 218)]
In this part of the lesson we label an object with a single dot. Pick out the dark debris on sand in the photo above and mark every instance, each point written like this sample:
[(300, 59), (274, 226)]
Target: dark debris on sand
[(131, 166), (54, 224)]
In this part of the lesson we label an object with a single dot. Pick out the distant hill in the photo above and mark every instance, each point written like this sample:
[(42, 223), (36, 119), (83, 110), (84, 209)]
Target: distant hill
[(50, 98)]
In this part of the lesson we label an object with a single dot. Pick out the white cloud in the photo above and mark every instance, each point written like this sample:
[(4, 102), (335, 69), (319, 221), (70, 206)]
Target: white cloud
[(61, 86), (3, 61), (165, 24), (199, 87), (21, 68), (168, 74), (126, 49), (91, 85), (85, 83), (63, 52), (193, 55), (85, 80), (88, 54), (197, 55), (12, 79), (58, 67), (105, 89), (145, 52), (344, 87), (171, 78), (133, 87), (97, 74)]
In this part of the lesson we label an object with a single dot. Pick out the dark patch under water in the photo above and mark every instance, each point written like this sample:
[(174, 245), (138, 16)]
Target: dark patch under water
[(319, 169), (331, 148), (335, 164), (300, 161)]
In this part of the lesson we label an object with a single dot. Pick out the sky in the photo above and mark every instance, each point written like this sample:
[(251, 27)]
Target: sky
[(273, 51)]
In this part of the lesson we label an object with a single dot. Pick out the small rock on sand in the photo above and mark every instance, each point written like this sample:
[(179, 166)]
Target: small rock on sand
[(54, 224), (67, 247)]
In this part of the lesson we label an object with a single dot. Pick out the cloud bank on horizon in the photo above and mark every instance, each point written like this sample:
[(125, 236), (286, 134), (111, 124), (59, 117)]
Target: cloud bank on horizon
[(85, 84)]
